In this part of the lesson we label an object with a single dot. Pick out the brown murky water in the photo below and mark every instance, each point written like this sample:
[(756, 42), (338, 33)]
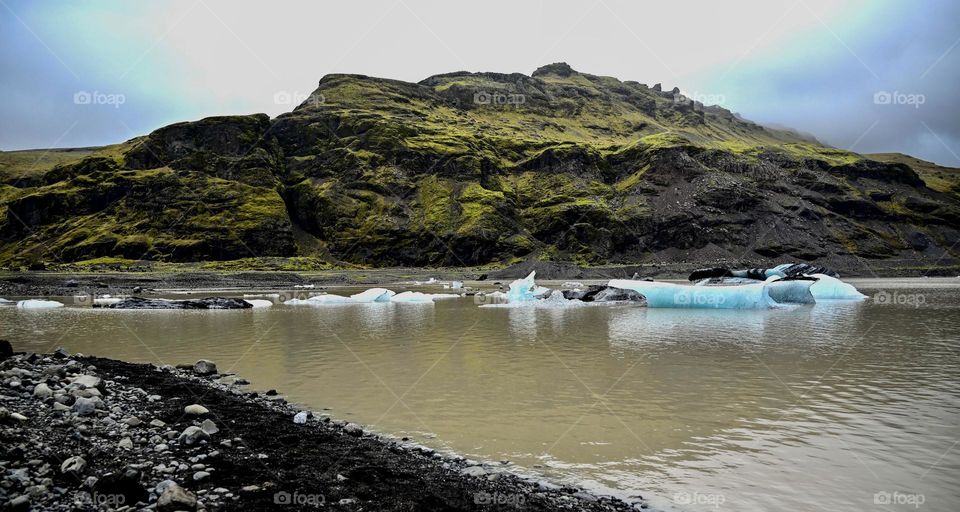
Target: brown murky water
[(844, 406)]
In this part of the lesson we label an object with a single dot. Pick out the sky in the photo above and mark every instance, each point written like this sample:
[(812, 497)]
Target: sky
[(870, 76)]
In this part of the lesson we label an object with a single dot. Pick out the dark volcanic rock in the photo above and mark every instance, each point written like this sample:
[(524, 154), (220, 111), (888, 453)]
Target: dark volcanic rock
[(601, 293), (206, 303), (6, 350)]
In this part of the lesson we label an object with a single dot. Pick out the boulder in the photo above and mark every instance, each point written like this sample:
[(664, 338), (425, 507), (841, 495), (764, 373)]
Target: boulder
[(193, 435), (601, 293), (175, 498), (204, 367)]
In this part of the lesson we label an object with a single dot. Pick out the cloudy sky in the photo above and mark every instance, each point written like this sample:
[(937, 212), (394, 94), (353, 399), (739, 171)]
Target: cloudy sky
[(871, 76)]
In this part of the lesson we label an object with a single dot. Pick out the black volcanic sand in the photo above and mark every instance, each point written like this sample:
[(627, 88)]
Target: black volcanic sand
[(258, 460)]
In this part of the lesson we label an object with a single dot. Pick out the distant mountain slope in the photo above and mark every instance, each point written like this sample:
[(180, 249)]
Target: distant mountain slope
[(473, 168)]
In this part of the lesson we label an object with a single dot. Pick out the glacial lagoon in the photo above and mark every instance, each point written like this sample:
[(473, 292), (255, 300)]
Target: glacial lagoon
[(834, 405)]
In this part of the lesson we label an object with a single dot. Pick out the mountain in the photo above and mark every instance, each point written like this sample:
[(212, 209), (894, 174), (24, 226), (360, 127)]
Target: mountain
[(477, 168)]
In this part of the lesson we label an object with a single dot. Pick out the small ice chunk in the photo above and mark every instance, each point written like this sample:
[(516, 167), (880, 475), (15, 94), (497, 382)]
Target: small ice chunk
[(456, 285), (831, 288), (305, 286), (39, 304), (412, 298), (316, 300), (259, 303), (523, 289), (300, 418), (105, 300), (5, 301), (373, 295)]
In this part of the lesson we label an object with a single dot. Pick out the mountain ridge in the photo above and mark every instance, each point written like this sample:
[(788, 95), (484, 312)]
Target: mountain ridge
[(479, 168)]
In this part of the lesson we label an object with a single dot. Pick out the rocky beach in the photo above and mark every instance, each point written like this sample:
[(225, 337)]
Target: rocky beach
[(87, 433)]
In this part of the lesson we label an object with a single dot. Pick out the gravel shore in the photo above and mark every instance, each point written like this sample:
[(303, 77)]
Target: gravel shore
[(85, 433)]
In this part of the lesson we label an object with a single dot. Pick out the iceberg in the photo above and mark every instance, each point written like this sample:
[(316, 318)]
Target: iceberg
[(670, 295), (526, 289), (831, 288), (39, 304), (456, 285), (5, 301), (419, 297), (105, 300), (259, 303), (791, 291)]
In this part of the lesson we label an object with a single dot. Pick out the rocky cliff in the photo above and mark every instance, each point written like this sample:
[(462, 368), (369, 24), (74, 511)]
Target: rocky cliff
[(474, 168)]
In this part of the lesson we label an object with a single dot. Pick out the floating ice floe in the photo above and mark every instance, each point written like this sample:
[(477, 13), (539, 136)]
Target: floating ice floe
[(831, 288), (5, 301), (418, 297), (722, 288), (670, 295), (39, 304), (456, 285), (364, 297), (258, 295), (106, 300), (259, 303), (305, 286)]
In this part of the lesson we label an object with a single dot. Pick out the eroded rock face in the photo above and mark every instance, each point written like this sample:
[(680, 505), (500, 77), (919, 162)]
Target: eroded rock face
[(206, 303), (390, 173)]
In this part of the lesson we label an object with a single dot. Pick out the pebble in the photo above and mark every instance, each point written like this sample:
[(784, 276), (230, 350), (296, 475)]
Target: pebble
[(200, 476), (195, 409), (300, 418), (126, 443), (161, 448), (157, 423), (74, 465), (209, 427), (133, 421), (42, 390)]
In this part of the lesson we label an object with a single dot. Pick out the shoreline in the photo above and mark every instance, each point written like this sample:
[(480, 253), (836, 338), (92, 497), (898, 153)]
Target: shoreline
[(116, 282), (126, 422)]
